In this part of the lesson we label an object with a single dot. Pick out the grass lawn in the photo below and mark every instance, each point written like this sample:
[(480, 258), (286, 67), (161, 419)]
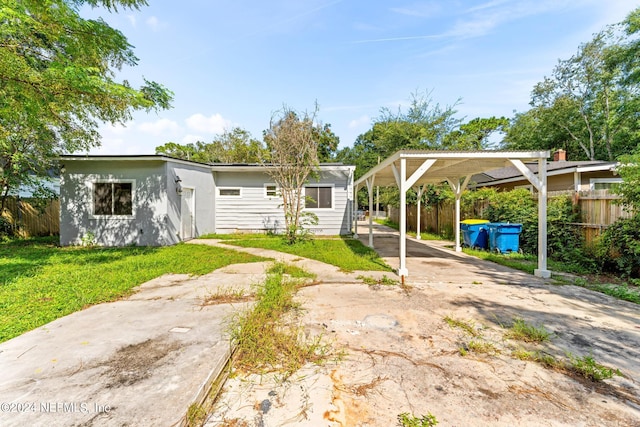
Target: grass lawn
[(345, 253), (40, 282)]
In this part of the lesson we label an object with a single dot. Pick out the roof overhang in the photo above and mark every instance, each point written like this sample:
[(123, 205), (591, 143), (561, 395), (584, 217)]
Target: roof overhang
[(446, 165), (604, 167)]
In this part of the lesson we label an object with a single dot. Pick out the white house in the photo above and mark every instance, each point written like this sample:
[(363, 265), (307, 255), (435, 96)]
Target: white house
[(154, 200)]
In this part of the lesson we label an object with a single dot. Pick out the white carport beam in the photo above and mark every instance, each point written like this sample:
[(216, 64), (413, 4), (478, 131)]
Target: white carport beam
[(370, 182), (424, 167), (531, 177), (458, 187), (396, 174)]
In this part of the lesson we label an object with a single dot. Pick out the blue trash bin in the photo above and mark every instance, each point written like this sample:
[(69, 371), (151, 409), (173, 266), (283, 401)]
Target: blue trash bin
[(475, 233), (504, 237)]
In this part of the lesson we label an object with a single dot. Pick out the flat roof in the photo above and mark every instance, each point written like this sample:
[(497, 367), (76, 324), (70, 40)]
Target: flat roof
[(447, 164)]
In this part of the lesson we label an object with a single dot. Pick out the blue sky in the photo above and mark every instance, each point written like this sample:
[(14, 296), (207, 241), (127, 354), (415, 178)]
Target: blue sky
[(235, 62)]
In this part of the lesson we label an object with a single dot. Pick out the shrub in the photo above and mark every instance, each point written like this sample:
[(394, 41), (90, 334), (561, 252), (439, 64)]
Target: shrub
[(6, 230), (618, 249)]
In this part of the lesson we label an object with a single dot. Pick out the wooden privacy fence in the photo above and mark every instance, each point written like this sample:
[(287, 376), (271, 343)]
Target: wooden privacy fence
[(598, 209), (33, 217)]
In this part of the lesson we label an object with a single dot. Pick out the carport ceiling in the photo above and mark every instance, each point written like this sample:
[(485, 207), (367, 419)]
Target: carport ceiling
[(447, 164)]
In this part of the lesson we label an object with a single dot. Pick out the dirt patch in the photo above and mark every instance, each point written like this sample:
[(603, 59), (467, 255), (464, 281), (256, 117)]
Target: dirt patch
[(136, 362)]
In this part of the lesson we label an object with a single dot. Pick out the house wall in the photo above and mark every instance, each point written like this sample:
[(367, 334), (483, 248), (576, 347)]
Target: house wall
[(254, 211), (147, 226), (562, 182), (200, 179)]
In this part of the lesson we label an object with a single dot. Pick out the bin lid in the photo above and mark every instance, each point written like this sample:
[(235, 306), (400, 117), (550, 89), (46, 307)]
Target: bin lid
[(474, 221)]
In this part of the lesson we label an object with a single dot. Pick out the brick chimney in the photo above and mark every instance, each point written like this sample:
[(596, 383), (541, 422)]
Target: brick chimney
[(560, 156)]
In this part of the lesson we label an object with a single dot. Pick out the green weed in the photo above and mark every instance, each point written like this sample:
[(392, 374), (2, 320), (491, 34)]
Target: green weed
[(482, 347), (372, 281), (587, 367), (264, 342), (522, 331), (544, 359), (408, 420), (466, 325)]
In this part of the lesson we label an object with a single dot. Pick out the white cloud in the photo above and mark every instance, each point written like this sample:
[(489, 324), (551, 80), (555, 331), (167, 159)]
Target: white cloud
[(163, 127), (213, 124), (154, 23), (359, 122), (132, 20), (116, 129)]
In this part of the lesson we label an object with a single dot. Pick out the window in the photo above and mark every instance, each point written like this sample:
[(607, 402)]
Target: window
[(113, 198), (603, 183), (318, 197), (229, 192), (270, 190)]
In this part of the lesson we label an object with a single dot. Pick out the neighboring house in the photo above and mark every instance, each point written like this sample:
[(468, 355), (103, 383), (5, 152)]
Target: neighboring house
[(157, 200), (562, 175)]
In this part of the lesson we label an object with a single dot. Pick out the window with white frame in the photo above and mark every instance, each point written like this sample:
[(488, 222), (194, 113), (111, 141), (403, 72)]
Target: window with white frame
[(229, 192), (113, 198), (270, 190), (318, 197), (603, 183)]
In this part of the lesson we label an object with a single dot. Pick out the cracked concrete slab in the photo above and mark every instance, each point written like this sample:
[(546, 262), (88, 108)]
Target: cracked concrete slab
[(138, 361), (401, 356)]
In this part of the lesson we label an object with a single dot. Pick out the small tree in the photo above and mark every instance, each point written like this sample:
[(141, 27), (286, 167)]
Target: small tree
[(293, 149)]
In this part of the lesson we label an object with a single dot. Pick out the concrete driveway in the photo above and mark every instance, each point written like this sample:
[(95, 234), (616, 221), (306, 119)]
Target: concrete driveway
[(401, 356)]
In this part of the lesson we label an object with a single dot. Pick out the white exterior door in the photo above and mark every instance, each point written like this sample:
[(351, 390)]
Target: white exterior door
[(187, 219)]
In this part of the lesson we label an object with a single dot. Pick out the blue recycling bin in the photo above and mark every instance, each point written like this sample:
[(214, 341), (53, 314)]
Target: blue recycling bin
[(504, 237), (475, 233)]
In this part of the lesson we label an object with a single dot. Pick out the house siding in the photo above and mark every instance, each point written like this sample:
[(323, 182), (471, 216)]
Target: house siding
[(148, 225), (561, 182), (201, 180), (253, 211)]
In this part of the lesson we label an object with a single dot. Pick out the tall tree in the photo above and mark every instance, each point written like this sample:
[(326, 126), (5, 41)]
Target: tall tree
[(424, 125), (589, 101), (235, 146), (57, 80), (476, 134), (327, 142), (232, 146), (293, 148)]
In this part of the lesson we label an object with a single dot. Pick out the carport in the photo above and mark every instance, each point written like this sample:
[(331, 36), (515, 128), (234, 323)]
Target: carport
[(415, 168)]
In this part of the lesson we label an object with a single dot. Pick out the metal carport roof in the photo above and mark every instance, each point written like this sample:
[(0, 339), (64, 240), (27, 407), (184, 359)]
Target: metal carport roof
[(413, 168)]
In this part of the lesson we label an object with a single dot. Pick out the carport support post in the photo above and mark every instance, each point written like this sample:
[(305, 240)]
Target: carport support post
[(402, 270), (419, 192), (370, 189), (458, 187), (542, 271), (355, 212)]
